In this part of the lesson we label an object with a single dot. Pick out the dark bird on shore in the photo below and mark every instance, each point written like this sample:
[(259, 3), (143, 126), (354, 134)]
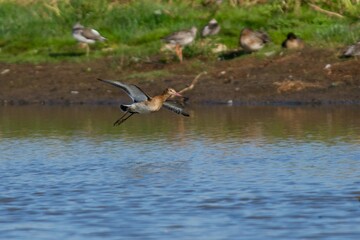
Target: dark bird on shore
[(181, 39), (252, 41), (293, 42), (86, 36), (142, 103), (212, 28), (352, 50)]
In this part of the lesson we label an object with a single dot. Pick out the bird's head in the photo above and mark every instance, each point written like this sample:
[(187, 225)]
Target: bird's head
[(78, 26), (246, 31), (172, 92), (213, 21), (193, 30), (291, 36)]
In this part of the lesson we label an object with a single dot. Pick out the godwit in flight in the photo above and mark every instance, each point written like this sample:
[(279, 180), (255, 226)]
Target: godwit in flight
[(142, 103)]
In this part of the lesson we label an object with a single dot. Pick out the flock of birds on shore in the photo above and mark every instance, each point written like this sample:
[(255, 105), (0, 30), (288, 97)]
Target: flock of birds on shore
[(250, 41)]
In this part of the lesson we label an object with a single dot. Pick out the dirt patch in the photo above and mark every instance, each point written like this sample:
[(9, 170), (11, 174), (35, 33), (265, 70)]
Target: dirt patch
[(307, 76)]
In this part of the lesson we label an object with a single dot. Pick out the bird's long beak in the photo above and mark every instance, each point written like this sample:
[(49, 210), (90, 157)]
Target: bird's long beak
[(178, 94)]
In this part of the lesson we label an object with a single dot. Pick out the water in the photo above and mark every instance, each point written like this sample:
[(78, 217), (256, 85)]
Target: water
[(224, 173)]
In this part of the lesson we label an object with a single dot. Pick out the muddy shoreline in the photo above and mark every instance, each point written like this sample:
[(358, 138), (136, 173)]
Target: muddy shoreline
[(311, 76)]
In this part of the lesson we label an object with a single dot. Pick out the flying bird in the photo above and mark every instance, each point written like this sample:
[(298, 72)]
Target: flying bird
[(251, 40), (293, 42), (86, 36), (181, 39), (212, 28), (142, 103)]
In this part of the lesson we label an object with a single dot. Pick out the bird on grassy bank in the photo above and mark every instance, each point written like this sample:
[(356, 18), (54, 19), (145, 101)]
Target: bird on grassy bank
[(142, 103), (212, 28), (352, 50), (252, 41), (293, 42), (86, 36), (180, 39)]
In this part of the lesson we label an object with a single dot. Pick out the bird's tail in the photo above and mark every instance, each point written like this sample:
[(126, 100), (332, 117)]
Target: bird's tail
[(124, 108)]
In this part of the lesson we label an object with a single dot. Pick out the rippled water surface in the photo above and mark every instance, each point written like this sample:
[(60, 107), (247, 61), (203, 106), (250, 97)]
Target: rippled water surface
[(224, 173)]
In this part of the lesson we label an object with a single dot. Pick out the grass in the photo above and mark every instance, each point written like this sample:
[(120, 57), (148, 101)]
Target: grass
[(41, 31)]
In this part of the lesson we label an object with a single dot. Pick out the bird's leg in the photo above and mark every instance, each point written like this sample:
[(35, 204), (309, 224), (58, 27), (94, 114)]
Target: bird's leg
[(122, 119), (127, 118), (178, 52), (118, 122)]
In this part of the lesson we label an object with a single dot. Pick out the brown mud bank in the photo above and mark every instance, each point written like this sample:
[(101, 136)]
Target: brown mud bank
[(311, 76)]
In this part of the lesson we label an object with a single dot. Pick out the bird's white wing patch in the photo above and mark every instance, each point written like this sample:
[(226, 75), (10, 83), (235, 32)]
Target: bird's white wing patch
[(95, 32), (81, 38), (97, 35)]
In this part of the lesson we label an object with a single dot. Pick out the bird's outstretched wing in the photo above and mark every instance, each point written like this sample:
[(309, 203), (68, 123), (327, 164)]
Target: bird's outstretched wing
[(134, 92), (175, 107)]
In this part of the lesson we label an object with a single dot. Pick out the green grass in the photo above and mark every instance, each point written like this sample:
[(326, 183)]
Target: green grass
[(42, 33)]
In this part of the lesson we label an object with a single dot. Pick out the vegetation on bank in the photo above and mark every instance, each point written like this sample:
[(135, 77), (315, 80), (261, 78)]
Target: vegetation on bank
[(40, 30)]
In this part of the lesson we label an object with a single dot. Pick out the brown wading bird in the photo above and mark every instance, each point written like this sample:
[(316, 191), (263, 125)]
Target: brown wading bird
[(86, 36), (352, 50), (212, 28), (251, 40), (142, 103), (180, 39), (293, 42)]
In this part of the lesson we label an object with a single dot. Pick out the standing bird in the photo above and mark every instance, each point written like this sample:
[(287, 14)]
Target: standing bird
[(86, 36), (180, 39), (252, 41), (352, 50), (212, 28), (142, 103), (293, 42)]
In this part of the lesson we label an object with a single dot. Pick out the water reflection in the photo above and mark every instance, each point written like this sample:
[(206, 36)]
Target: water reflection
[(218, 123)]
